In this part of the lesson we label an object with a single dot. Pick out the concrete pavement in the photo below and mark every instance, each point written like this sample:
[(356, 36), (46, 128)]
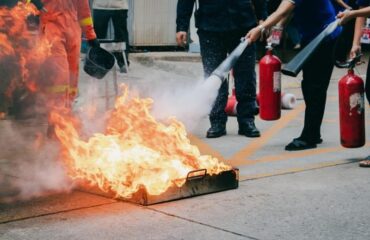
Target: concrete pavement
[(313, 194)]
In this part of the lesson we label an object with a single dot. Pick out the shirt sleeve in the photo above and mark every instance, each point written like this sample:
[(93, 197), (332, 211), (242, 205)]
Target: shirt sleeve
[(184, 12), (260, 7), (84, 16)]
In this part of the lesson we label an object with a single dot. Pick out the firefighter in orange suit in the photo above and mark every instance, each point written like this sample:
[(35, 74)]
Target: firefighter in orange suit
[(61, 22)]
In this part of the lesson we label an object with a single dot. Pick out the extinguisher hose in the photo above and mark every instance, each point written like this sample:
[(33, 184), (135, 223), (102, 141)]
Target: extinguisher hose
[(223, 69)]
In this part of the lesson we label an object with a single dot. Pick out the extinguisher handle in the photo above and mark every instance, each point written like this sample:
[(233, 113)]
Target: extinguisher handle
[(350, 63)]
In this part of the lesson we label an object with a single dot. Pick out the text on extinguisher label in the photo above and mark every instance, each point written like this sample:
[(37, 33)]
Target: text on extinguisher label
[(357, 101), (277, 81)]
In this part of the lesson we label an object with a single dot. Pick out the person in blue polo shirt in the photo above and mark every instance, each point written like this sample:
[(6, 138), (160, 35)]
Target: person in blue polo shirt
[(361, 15), (312, 16)]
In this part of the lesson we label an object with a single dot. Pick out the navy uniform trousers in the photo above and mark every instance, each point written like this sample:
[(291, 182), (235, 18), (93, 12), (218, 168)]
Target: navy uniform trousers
[(214, 49)]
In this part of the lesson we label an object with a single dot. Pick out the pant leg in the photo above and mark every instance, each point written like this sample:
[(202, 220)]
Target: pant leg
[(316, 78), (213, 51), (245, 78), (73, 46), (120, 28), (54, 72), (101, 21)]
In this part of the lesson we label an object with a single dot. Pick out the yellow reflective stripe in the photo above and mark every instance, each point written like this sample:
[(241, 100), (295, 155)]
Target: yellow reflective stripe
[(28, 1), (86, 22), (62, 89)]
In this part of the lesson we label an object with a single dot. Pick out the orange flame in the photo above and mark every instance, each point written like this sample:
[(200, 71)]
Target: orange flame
[(6, 49), (27, 48), (135, 150)]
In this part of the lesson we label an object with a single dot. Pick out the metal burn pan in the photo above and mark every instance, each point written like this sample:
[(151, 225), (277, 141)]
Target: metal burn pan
[(198, 182)]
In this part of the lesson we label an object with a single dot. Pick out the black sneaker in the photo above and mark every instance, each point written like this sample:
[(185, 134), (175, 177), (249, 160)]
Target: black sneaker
[(249, 129), (216, 131)]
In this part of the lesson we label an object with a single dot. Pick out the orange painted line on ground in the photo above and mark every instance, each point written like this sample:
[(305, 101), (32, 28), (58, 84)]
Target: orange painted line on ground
[(298, 154), (204, 148), (291, 155), (294, 170), (240, 157)]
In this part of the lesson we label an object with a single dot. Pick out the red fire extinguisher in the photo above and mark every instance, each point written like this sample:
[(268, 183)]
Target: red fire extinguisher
[(270, 86), (230, 108), (351, 107)]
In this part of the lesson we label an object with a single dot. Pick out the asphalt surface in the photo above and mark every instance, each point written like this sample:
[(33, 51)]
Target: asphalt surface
[(314, 194)]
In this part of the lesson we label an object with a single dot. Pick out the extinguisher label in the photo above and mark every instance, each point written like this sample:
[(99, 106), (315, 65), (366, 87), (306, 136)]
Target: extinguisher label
[(357, 101), (277, 81)]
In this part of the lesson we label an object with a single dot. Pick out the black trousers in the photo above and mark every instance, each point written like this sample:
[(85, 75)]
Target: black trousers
[(214, 48), (316, 78), (119, 19)]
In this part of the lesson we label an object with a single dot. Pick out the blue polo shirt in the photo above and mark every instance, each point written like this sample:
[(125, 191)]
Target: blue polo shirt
[(363, 3), (313, 16)]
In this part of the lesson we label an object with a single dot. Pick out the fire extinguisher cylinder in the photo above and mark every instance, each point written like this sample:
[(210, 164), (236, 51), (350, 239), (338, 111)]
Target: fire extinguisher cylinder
[(270, 86), (351, 110)]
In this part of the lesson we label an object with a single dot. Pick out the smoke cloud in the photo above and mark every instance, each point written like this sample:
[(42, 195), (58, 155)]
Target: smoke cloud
[(188, 103), (29, 164)]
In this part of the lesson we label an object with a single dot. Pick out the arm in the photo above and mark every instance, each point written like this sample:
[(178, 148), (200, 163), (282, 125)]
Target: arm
[(348, 15), (184, 12), (356, 44), (84, 16), (284, 9), (361, 15), (260, 7), (343, 4)]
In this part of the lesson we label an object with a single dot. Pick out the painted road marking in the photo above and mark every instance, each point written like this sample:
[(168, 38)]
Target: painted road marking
[(240, 157), (297, 169), (204, 148), (295, 155)]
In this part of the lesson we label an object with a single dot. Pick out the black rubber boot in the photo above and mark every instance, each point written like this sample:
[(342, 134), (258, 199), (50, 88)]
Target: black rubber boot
[(249, 129), (216, 130)]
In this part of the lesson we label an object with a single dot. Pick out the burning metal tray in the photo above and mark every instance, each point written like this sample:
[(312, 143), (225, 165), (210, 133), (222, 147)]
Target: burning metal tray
[(197, 183)]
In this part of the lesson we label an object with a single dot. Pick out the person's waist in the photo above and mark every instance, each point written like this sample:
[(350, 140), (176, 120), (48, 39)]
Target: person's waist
[(226, 27), (53, 16)]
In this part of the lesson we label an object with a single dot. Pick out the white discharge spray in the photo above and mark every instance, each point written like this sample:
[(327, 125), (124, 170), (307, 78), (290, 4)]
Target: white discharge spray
[(189, 104)]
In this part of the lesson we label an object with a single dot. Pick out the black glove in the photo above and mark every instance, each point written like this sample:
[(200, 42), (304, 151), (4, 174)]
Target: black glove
[(39, 5), (94, 43)]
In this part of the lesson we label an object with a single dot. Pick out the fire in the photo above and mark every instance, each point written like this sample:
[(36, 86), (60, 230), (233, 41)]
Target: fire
[(134, 151), (24, 51)]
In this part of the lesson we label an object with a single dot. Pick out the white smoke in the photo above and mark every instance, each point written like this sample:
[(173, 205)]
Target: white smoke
[(178, 90), (29, 164), (188, 103)]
